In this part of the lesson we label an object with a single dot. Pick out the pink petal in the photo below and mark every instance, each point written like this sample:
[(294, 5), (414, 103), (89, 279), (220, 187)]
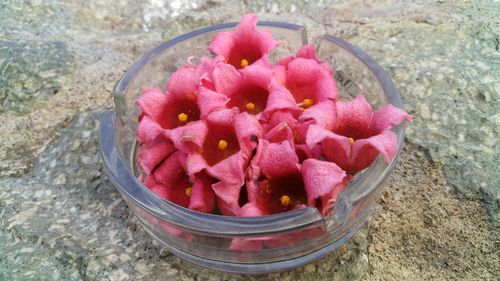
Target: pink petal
[(226, 79), (222, 43), (195, 163), (247, 129), (321, 178), (328, 200), (278, 159), (365, 151), (227, 198), (251, 210), (153, 103), (150, 181), (150, 155), (279, 98), (187, 138), (245, 244), (161, 191), (245, 43), (230, 170), (168, 171), (184, 81), (300, 72), (308, 52), (335, 148), (388, 117), (354, 118), (203, 196), (323, 114), (171, 174), (279, 133), (209, 101), (148, 130)]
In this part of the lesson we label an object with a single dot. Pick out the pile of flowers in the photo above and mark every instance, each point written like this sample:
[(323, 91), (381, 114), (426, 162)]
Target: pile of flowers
[(239, 136)]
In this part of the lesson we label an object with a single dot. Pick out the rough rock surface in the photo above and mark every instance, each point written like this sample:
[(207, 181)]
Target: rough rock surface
[(61, 218)]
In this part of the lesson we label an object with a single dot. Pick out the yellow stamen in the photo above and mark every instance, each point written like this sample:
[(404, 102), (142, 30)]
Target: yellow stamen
[(250, 106), (222, 144), (307, 103), (189, 191), (244, 63), (285, 200), (351, 141), (183, 117)]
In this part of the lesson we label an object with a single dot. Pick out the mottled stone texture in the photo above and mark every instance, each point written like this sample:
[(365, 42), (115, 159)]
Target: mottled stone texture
[(61, 218)]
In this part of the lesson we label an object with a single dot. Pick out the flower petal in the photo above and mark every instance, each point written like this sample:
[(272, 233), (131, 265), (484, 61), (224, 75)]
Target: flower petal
[(365, 151), (153, 103), (245, 44), (335, 148), (184, 81), (188, 138), (227, 197), (209, 101), (322, 113), (388, 117), (148, 130), (308, 52), (151, 154), (226, 79), (306, 79), (277, 160), (171, 174), (354, 118), (222, 43), (203, 196), (322, 178), (247, 129), (230, 170)]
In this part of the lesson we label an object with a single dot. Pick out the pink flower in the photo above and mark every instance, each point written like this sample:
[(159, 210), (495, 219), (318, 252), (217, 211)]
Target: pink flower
[(359, 134), (278, 183), (152, 153), (307, 52), (275, 183), (161, 111), (308, 79), (324, 181), (283, 125), (222, 145), (245, 45), (251, 90), (170, 181)]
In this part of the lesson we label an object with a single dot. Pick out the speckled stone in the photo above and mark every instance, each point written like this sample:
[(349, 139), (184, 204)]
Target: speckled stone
[(61, 218)]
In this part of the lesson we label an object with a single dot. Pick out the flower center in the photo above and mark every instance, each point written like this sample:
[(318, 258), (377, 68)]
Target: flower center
[(267, 186), (351, 141), (285, 200), (306, 103), (222, 144), (244, 63), (250, 106), (189, 191), (183, 117)]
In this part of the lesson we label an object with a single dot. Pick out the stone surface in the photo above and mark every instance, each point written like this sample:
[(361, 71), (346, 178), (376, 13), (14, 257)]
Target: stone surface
[(60, 217)]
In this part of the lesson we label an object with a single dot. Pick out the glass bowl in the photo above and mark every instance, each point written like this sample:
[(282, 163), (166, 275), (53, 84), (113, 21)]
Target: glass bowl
[(290, 239)]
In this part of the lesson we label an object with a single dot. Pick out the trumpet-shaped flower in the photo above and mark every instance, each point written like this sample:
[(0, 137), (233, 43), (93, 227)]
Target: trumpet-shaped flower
[(222, 146), (308, 79), (359, 134), (246, 45), (170, 181), (253, 90)]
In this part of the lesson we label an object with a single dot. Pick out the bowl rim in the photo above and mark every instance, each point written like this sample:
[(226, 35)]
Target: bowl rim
[(218, 225)]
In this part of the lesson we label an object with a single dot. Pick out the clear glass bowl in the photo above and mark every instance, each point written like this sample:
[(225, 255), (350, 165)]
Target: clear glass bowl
[(290, 239)]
